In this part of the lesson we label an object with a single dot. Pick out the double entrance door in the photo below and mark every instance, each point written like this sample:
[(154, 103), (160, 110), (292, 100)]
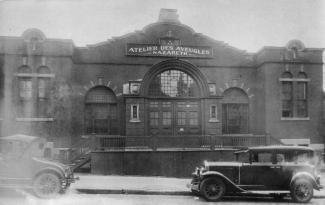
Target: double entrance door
[(174, 117)]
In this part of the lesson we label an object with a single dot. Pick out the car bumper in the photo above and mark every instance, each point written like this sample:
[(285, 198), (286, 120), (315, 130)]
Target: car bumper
[(68, 180), (195, 182), (193, 187)]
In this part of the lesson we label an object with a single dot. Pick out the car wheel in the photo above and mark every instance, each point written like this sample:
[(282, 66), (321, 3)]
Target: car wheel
[(213, 189), (302, 191), (47, 185)]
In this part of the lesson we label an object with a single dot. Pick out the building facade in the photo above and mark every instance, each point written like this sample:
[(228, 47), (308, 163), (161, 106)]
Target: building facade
[(165, 80)]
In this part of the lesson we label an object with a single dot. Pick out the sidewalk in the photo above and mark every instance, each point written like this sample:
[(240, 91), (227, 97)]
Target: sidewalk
[(101, 184)]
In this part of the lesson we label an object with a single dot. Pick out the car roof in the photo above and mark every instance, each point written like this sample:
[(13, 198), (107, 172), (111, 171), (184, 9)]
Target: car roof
[(282, 147), (20, 137)]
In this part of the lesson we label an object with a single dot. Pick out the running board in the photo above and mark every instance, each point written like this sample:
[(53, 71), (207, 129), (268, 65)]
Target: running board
[(267, 192)]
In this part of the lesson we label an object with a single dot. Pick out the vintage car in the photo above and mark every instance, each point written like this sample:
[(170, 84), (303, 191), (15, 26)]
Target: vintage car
[(271, 170), (22, 165)]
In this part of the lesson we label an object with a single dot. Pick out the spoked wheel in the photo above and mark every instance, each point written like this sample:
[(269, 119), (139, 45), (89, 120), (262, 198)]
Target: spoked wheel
[(302, 191), (213, 189), (47, 185)]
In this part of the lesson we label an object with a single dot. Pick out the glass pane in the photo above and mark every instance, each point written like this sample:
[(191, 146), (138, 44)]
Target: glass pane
[(173, 83), (153, 118), (153, 104), (25, 88), (302, 90), (287, 90), (287, 108), (42, 88), (166, 104), (134, 112), (302, 108), (213, 111), (181, 118), (167, 118)]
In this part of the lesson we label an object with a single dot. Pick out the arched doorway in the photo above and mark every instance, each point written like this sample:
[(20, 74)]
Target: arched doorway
[(101, 111), (235, 111), (173, 91)]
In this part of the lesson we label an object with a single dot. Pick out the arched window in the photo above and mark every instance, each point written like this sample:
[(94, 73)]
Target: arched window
[(25, 92), (101, 111), (43, 89), (302, 95), (287, 94), (235, 111), (25, 82), (43, 82), (173, 83)]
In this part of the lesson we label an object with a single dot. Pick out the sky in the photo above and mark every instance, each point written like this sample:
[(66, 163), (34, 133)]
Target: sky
[(246, 24)]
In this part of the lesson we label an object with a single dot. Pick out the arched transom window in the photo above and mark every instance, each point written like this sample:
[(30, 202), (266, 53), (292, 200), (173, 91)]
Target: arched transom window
[(173, 83)]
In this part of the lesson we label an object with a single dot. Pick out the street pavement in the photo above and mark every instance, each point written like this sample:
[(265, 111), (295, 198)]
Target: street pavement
[(135, 190), (112, 184), (74, 198)]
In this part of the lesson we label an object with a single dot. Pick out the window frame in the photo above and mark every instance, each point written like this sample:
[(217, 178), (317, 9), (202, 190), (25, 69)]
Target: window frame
[(295, 81), (25, 73), (213, 118), (137, 111)]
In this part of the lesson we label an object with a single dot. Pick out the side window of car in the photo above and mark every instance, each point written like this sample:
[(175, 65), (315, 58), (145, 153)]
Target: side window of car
[(262, 157), (280, 158)]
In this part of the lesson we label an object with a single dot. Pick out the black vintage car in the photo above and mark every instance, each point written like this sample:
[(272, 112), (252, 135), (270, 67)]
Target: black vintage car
[(22, 165), (272, 170)]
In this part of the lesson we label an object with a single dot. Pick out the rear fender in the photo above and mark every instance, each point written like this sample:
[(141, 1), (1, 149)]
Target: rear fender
[(226, 179), (305, 175)]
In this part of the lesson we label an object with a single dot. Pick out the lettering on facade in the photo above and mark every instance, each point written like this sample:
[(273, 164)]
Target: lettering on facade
[(168, 50)]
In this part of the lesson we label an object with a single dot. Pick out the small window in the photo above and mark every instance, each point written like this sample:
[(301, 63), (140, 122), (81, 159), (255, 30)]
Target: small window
[(134, 87), (213, 112), (212, 89), (135, 113)]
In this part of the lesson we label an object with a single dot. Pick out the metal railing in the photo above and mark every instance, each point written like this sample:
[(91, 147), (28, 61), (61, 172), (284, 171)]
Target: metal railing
[(207, 142)]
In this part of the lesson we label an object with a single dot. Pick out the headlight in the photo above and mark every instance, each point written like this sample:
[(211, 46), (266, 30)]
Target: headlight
[(67, 172)]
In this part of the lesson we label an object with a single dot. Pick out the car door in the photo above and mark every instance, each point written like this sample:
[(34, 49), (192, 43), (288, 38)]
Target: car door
[(259, 174), (14, 165)]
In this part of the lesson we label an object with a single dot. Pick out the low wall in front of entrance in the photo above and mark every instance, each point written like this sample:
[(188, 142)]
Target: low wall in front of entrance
[(171, 163)]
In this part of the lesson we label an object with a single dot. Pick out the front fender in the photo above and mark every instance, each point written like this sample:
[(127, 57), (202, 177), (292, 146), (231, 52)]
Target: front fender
[(305, 175), (50, 169), (226, 179)]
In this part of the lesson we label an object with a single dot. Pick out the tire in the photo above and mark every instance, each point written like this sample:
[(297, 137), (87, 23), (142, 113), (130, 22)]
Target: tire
[(213, 189), (302, 191), (47, 185)]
